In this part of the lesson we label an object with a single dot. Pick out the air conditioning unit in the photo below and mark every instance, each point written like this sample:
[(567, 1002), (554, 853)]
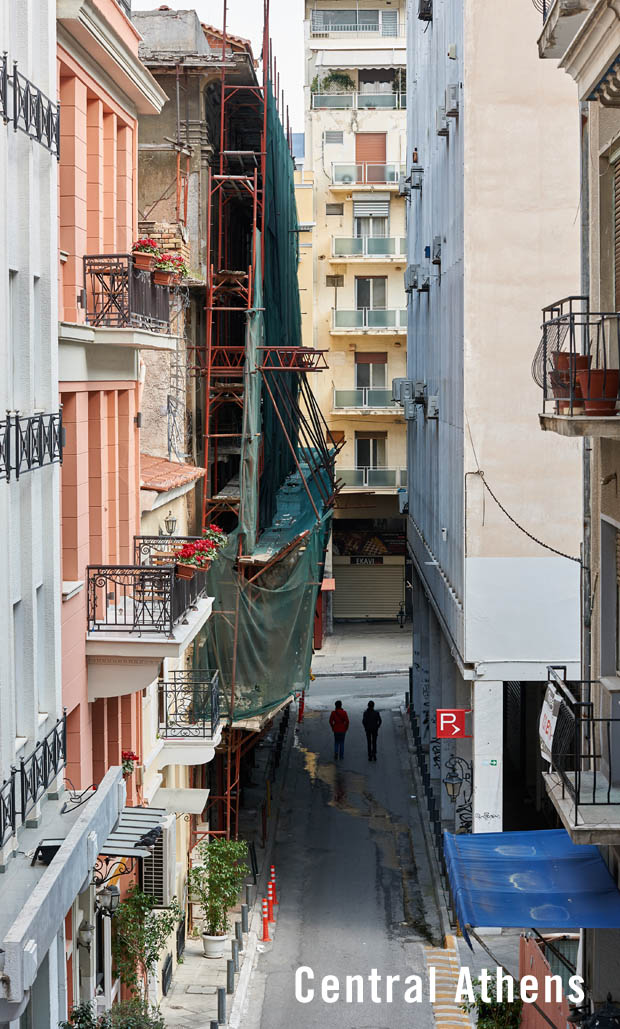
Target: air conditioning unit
[(419, 391), (441, 122), (452, 101), (406, 391), (404, 189), (397, 386), (411, 277), (432, 408), (436, 258), (424, 283), (159, 870), (425, 10), (416, 176), (409, 410)]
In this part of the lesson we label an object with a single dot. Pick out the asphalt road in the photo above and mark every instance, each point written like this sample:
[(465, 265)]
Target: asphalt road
[(352, 896)]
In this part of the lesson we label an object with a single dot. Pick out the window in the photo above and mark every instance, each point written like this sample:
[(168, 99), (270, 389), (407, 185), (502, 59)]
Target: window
[(370, 371), (370, 449), (337, 209), (371, 293), (334, 138), (351, 20), (365, 227)]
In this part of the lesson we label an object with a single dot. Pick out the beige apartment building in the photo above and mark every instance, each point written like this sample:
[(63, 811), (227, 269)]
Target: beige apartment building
[(353, 257)]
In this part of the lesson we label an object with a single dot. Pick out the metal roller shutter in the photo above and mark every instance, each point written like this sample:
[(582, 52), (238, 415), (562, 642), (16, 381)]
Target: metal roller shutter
[(370, 147), (368, 591), (371, 208)]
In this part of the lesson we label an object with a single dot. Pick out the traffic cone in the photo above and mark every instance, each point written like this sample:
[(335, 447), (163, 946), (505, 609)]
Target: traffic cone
[(266, 937), (270, 902), (273, 880)]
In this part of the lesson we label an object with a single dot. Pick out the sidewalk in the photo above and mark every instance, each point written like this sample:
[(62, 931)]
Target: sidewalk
[(386, 647)]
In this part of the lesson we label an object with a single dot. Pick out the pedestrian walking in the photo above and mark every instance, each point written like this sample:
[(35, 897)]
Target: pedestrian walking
[(371, 722), (339, 721)]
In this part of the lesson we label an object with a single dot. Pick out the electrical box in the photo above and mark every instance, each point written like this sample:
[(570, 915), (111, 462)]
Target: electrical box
[(416, 176), (441, 122), (425, 10)]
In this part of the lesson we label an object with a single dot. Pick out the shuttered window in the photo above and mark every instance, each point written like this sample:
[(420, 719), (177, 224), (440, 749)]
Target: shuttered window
[(368, 591), (370, 358), (389, 23), (334, 209), (370, 147), (371, 208), (334, 136), (617, 232), (334, 437)]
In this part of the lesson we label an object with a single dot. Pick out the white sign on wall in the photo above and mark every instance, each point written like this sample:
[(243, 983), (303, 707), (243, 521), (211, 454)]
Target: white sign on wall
[(548, 720)]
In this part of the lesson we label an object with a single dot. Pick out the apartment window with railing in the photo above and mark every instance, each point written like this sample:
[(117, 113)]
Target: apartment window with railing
[(374, 22), (370, 449), (370, 371)]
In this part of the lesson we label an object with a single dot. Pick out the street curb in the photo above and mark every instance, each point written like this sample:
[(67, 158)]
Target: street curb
[(444, 917), (251, 952), (369, 674)]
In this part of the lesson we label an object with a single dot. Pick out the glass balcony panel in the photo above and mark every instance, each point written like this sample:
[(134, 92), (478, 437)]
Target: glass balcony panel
[(348, 246), (349, 397), (345, 173), (402, 100), (348, 319), (402, 318), (366, 100), (403, 477), (333, 100), (402, 249), (380, 319), (381, 476), (382, 173), (379, 398), (351, 476), (380, 246)]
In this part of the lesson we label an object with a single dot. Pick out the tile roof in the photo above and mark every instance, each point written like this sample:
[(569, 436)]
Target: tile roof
[(160, 475)]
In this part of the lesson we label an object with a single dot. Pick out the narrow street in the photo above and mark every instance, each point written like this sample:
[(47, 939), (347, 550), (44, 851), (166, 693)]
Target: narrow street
[(352, 896)]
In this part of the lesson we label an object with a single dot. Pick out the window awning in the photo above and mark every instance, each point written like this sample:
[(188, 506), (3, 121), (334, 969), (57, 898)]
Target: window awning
[(392, 58), (134, 823), (182, 801), (531, 880)]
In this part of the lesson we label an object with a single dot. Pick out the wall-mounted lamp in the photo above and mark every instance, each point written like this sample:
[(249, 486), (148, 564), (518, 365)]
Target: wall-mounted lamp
[(85, 935), (108, 899), (170, 523), (453, 783)]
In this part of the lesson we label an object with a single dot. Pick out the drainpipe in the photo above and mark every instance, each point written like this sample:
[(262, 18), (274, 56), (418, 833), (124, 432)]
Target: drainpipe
[(586, 584)]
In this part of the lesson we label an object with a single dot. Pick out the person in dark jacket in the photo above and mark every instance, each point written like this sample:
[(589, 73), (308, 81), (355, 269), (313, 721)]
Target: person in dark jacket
[(339, 721), (371, 722)]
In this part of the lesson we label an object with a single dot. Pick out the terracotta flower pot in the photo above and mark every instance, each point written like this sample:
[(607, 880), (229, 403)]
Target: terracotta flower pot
[(599, 387), (185, 571), (144, 262), (563, 376), (163, 278)]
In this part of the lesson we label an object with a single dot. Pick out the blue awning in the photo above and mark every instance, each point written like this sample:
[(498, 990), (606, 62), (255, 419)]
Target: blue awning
[(530, 880)]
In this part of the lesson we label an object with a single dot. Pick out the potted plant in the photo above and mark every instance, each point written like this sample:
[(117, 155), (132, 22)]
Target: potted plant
[(215, 884), (145, 251), (193, 556), (129, 759), (180, 267), (564, 382), (599, 387), (165, 269), (214, 534)]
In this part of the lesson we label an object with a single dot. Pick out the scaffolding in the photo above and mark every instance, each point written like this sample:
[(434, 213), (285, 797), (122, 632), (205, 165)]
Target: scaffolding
[(269, 478)]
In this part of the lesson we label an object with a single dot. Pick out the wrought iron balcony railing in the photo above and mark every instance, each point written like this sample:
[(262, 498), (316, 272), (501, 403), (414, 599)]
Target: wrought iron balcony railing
[(322, 26), (159, 550), (28, 108), (8, 810), (370, 318), (359, 101), (140, 599), (375, 174), (577, 363), (189, 705), (30, 442), (369, 478), (544, 6), (364, 398), (118, 295), (585, 747), (39, 770), (369, 246)]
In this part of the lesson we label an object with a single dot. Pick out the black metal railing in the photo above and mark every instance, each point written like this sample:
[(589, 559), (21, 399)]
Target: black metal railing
[(30, 442), (118, 295), (577, 362), (146, 599), (41, 768), (8, 811), (544, 6), (157, 550), (189, 704), (586, 748), (29, 109), (181, 938)]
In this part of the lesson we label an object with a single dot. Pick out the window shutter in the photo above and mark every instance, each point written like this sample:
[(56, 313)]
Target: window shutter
[(334, 209), (371, 208), (369, 358), (376, 434), (333, 136), (389, 23), (370, 148)]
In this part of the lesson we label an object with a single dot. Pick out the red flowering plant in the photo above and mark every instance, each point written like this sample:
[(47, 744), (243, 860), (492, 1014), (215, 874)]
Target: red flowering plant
[(128, 758), (145, 245), (215, 535), (171, 263), (179, 265), (200, 554)]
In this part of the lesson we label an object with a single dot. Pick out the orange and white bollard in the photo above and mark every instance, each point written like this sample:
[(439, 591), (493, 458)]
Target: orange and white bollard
[(273, 881), (270, 902), (266, 937)]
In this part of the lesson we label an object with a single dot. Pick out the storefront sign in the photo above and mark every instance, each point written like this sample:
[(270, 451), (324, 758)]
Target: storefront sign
[(366, 560), (548, 720)]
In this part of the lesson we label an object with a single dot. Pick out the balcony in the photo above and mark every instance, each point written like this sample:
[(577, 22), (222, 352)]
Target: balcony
[(583, 780), (119, 296), (139, 614), (369, 320), (369, 248), (561, 21), (366, 400), (381, 176), (22, 791), (577, 367), (29, 443), (325, 24), (359, 101), (377, 479), (189, 717), (30, 110)]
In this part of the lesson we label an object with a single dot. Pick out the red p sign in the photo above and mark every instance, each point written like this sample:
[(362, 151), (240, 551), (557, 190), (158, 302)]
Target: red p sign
[(451, 723)]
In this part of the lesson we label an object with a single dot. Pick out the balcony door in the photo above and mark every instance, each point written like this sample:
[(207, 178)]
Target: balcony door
[(370, 149), (370, 371), (371, 293), (370, 449), (371, 218)]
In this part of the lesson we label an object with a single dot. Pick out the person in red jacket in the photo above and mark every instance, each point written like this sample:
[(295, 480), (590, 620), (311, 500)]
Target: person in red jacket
[(339, 721)]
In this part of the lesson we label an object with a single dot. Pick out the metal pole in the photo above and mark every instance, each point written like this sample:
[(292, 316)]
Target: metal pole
[(245, 914), (234, 947), (230, 976), (239, 935), (221, 1005)]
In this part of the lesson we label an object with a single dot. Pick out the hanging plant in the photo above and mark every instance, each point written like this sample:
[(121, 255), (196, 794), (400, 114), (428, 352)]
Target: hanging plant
[(129, 758)]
